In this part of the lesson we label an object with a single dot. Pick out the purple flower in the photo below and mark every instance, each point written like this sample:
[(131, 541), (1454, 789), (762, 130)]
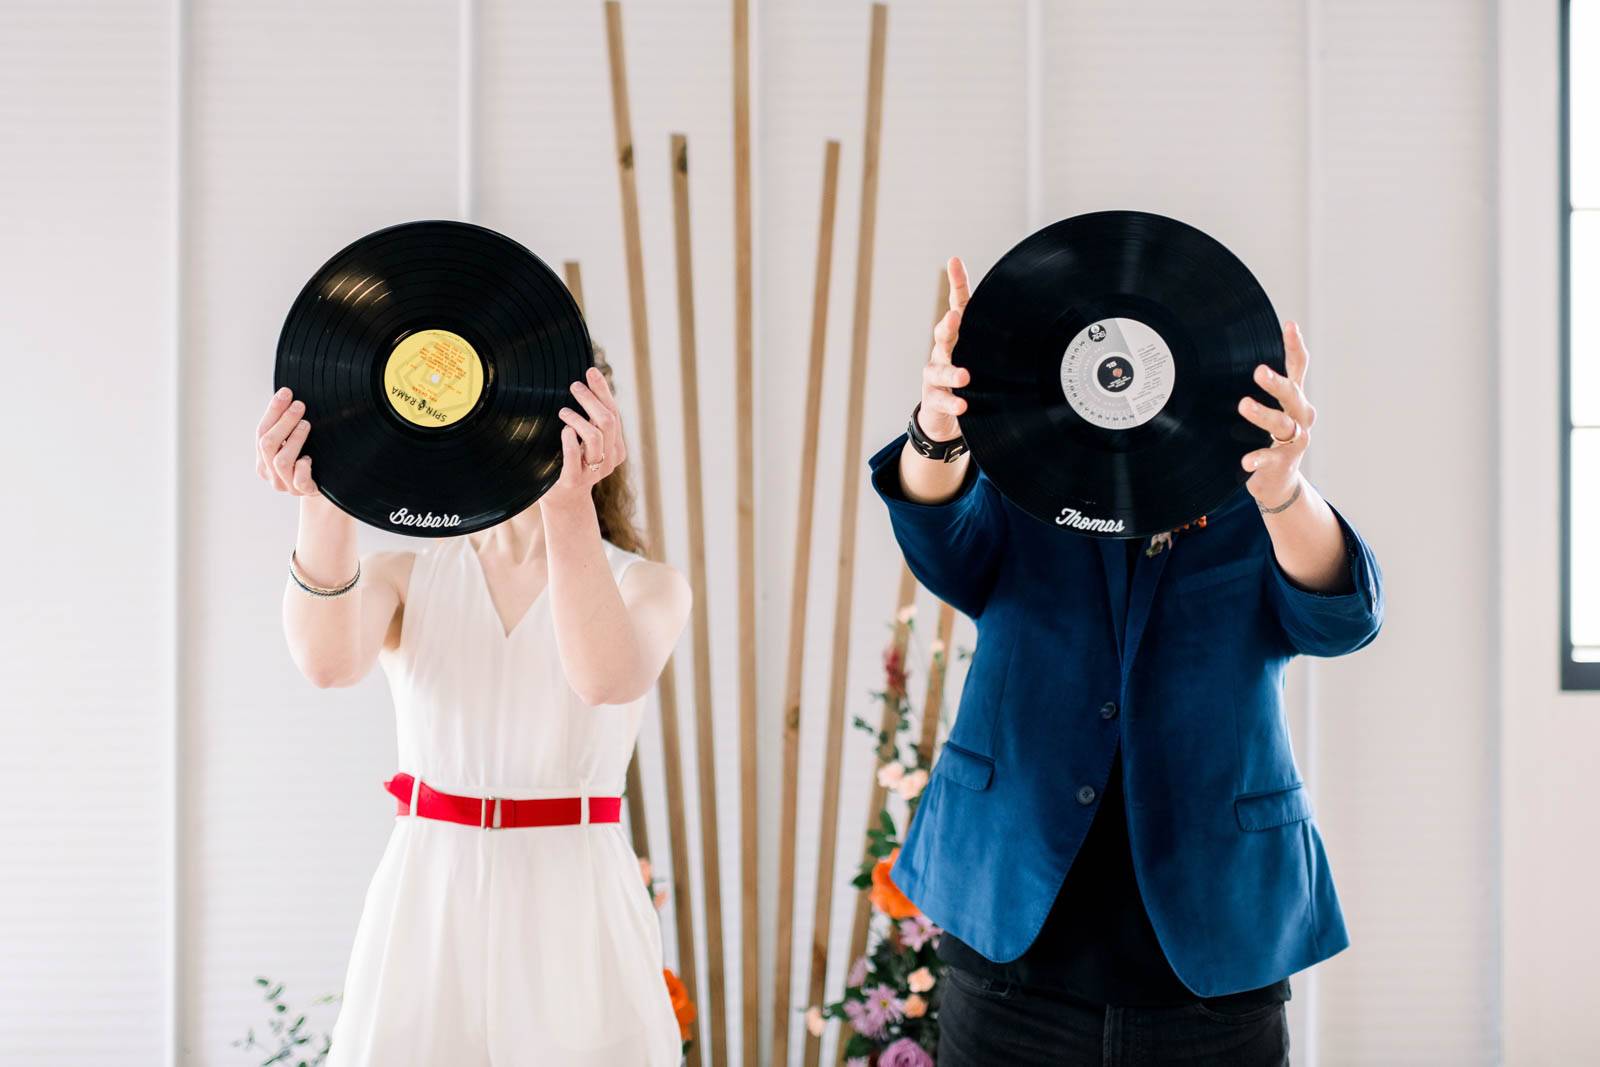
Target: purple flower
[(872, 1017), (917, 931), (905, 1053), (858, 972)]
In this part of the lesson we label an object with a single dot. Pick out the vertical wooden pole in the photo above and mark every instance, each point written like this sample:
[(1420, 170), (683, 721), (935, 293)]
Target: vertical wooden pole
[(677, 831), (938, 667), (861, 923), (635, 787), (783, 1012), (744, 445), (705, 722), (850, 484)]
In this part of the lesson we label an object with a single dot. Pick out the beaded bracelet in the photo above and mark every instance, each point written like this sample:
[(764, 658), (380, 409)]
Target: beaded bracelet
[(315, 590)]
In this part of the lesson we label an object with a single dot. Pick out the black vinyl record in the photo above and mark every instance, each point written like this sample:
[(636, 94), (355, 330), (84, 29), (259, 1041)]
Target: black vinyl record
[(432, 358), (1108, 353)]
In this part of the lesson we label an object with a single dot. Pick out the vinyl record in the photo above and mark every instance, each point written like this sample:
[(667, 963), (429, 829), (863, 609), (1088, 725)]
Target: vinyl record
[(432, 358), (1108, 353)]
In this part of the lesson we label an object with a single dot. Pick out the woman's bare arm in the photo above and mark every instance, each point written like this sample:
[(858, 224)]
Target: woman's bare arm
[(333, 640), (613, 640)]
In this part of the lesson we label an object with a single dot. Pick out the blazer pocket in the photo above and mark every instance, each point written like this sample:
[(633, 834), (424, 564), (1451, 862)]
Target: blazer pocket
[(1225, 572), (965, 768), (1263, 811)]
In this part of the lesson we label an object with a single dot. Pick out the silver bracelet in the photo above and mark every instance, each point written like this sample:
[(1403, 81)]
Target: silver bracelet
[(317, 590), (1298, 485)]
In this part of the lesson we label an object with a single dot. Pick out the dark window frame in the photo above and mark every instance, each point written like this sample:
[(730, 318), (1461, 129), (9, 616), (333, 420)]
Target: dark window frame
[(1575, 674)]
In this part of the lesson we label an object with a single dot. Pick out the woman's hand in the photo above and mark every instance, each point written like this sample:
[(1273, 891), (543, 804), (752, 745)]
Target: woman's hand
[(1275, 470), (280, 436), (941, 408), (592, 447)]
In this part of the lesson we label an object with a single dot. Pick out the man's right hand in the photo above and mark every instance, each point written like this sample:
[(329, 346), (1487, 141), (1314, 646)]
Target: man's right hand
[(941, 408), (932, 481)]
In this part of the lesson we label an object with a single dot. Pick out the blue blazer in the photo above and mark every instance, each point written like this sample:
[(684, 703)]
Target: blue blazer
[(1227, 855)]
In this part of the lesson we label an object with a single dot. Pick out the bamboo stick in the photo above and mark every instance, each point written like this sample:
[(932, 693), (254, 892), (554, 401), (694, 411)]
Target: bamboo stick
[(782, 1010), (695, 501), (851, 488), (744, 447), (635, 787), (938, 668), (677, 831), (861, 923)]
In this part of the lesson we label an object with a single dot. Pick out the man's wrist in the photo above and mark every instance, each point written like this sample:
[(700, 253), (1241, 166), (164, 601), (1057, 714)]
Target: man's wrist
[(945, 451)]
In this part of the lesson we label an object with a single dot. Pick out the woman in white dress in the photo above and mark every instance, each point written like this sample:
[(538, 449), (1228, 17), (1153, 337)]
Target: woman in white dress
[(507, 923)]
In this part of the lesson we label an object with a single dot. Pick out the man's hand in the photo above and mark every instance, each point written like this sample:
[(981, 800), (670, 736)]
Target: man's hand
[(931, 481), (1275, 470), (941, 408)]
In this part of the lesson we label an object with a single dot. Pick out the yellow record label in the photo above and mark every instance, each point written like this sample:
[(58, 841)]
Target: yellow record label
[(433, 378)]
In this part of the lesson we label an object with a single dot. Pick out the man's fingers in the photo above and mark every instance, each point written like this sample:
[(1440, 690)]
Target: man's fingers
[(1289, 395), (957, 272), (945, 376), (1296, 356), (944, 336), (944, 402), (1278, 423)]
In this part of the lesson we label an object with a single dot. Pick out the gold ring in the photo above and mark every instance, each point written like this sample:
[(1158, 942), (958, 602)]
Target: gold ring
[(1291, 439)]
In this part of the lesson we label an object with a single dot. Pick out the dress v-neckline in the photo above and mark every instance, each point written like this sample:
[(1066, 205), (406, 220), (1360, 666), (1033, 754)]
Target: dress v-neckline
[(488, 595)]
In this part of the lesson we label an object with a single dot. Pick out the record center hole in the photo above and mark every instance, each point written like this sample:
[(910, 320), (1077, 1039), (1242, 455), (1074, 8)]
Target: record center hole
[(434, 377)]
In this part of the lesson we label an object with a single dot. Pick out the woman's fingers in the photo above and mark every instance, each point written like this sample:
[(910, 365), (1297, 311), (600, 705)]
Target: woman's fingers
[(594, 442), (1265, 459), (571, 457), (302, 483), (269, 441), (275, 409), (283, 461)]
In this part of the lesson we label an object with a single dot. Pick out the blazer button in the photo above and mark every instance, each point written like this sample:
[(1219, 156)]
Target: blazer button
[(1086, 795), (1108, 710)]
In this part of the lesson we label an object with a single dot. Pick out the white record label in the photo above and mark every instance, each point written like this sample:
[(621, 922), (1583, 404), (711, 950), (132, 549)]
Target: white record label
[(1117, 373)]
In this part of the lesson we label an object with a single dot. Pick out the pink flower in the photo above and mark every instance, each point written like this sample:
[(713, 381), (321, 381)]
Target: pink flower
[(912, 784), (905, 1053), (917, 932), (858, 972), (920, 980), (873, 1016), (916, 1007), (890, 775)]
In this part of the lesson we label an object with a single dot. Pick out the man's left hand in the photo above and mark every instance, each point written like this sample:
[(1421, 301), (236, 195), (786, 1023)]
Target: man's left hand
[(1275, 470)]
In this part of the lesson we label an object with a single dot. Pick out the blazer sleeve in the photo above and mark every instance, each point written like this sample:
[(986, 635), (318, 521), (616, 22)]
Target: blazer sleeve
[(1332, 624), (953, 548)]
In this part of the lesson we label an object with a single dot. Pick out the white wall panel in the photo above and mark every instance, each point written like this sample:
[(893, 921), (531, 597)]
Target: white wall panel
[(1404, 346), (86, 634)]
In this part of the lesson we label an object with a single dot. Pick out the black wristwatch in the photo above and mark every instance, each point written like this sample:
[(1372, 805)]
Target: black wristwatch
[(944, 451)]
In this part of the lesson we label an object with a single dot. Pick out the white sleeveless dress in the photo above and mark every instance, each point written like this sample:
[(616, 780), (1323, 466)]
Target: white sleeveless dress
[(534, 946)]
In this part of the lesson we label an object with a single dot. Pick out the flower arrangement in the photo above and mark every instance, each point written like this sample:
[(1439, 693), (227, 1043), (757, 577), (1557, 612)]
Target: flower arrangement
[(1163, 541), (891, 996), (682, 1007)]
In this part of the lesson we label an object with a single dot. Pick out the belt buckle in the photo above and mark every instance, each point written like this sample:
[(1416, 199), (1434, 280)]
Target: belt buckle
[(485, 821)]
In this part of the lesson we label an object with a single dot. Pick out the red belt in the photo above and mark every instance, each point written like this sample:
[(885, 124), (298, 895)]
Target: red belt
[(500, 813)]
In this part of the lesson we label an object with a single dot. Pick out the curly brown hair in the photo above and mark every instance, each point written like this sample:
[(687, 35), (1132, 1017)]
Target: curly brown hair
[(613, 496)]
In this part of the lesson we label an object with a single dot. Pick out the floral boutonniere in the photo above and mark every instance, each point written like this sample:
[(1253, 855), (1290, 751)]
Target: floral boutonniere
[(1163, 541)]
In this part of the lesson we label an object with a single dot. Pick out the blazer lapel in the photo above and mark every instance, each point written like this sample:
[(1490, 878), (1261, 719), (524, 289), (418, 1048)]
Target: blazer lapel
[(1145, 577), (1114, 558)]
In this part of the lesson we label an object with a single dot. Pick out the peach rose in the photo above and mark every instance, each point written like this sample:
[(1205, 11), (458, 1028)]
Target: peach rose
[(912, 785), (920, 980), (915, 1007)]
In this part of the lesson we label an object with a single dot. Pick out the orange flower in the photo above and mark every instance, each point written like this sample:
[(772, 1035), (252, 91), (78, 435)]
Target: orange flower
[(886, 896), (682, 1006)]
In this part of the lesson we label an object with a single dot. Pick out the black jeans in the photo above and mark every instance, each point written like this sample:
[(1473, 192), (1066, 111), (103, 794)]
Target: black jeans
[(985, 1022)]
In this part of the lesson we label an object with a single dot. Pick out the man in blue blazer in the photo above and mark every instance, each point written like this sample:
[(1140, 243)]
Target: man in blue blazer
[(1116, 839)]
